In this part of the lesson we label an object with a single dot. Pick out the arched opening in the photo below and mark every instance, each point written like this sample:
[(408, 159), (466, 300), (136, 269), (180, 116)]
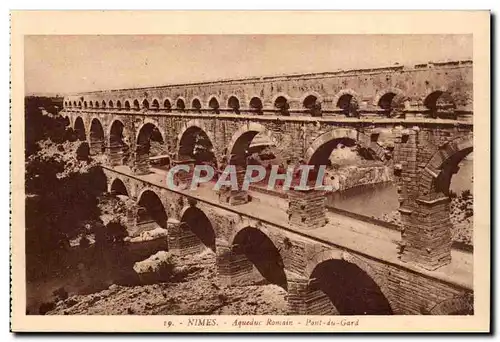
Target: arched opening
[(150, 148), (195, 221), (439, 103), (196, 105), (339, 152), (195, 144), (259, 257), (96, 137), (254, 147), (91, 104), (79, 128), (80, 104), (386, 103), (348, 288), (214, 105), (281, 104), (234, 104), (312, 105), (118, 188), (110, 104), (85, 104), (66, 104), (137, 106), (167, 105), (349, 105), (127, 105), (103, 104), (74, 103), (119, 150), (151, 213), (180, 105), (96, 104), (145, 104), (118, 104), (155, 105), (256, 105)]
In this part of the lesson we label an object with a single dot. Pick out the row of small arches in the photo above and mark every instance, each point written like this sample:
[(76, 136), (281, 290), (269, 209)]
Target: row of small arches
[(347, 103)]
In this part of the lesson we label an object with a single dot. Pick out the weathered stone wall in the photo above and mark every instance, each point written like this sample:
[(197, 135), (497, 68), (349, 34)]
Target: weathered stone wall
[(367, 86), (408, 291)]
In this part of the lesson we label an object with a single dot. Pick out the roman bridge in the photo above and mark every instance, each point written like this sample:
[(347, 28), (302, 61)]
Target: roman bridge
[(418, 120)]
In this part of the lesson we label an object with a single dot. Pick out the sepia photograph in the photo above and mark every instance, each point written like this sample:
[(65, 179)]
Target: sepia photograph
[(260, 177)]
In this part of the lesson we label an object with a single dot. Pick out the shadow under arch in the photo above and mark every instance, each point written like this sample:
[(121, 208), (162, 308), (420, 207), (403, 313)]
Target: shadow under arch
[(320, 150), (258, 251), (150, 143), (79, 128), (350, 290), (200, 225), (152, 212), (117, 187), (195, 142), (97, 141), (118, 148)]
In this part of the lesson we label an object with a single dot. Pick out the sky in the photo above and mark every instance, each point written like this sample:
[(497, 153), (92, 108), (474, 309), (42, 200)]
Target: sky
[(70, 64)]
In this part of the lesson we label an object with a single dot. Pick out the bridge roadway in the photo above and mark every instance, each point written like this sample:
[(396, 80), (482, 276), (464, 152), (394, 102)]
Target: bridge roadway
[(358, 237)]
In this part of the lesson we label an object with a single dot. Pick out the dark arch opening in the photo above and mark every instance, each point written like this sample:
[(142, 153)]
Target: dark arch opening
[(256, 105), (66, 104), (439, 102), (80, 129), (350, 289), (167, 105), (84, 104), (118, 104), (214, 105), (281, 104), (96, 104), (151, 214), (155, 105), (80, 104), (313, 106), (150, 144), (196, 105), (199, 224), (127, 105), (180, 105), (263, 259), (234, 104), (349, 105), (251, 146), (74, 103), (96, 137), (195, 144), (110, 104), (118, 188), (386, 103), (137, 106), (322, 154), (103, 104), (145, 104), (119, 150), (91, 104)]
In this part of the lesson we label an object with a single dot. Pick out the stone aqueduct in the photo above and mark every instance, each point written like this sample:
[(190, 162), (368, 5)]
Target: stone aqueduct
[(425, 109)]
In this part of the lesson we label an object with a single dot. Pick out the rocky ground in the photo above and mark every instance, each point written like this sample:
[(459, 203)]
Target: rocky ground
[(197, 293)]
